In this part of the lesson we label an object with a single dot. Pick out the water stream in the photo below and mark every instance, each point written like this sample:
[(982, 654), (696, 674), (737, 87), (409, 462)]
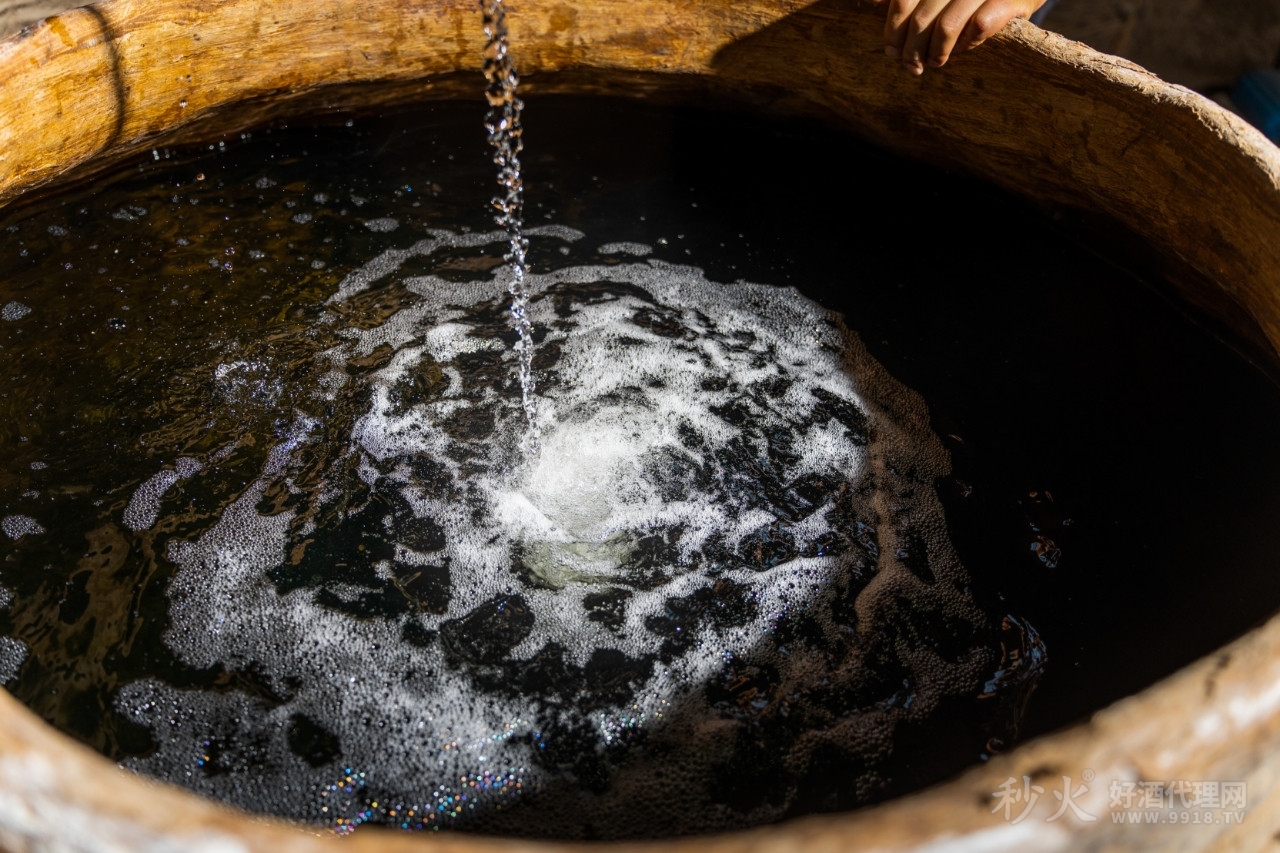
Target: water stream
[(506, 135)]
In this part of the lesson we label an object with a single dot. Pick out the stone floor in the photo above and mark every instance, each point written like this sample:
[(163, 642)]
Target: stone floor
[(1202, 44)]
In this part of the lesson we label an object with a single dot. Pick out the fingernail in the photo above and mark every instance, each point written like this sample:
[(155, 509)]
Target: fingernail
[(935, 63), (891, 51)]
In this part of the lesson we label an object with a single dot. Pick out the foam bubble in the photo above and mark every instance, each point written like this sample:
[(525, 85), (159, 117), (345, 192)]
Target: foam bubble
[(382, 225)]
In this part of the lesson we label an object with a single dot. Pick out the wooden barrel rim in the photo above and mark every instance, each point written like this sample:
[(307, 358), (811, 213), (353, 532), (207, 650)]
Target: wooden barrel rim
[(1032, 112)]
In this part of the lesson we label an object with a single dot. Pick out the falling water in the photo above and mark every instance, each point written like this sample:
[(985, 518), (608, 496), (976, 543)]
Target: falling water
[(503, 123)]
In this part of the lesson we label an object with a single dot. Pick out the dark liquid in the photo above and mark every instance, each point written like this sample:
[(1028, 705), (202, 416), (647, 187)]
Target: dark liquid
[(1110, 458)]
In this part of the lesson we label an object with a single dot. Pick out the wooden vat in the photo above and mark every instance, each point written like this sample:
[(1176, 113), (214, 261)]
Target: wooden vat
[(1031, 112)]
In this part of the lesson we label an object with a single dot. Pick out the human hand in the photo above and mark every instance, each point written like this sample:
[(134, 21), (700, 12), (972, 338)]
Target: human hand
[(928, 32)]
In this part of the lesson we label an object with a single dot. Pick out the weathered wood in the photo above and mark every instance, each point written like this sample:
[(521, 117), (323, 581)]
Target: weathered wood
[(1032, 112)]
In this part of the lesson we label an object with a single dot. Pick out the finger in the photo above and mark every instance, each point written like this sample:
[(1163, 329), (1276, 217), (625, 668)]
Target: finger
[(948, 29), (992, 17), (895, 25), (915, 47)]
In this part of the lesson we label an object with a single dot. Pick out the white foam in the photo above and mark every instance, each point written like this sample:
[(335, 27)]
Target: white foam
[(144, 506), (17, 526), (674, 406), (14, 311), (382, 225), (559, 232), (12, 655), (361, 279), (624, 248)]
